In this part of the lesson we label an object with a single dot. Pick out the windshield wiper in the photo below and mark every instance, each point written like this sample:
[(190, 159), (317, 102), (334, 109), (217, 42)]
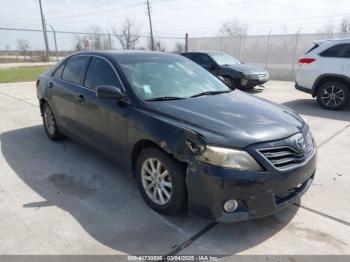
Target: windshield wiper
[(207, 93), (163, 98)]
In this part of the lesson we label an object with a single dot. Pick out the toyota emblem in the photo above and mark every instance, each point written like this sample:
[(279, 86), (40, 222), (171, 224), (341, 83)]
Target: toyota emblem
[(300, 143)]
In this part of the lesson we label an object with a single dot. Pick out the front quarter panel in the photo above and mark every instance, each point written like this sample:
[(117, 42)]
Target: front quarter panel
[(232, 73), (166, 133)]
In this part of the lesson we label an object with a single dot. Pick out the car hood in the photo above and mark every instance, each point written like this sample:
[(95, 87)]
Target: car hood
[(234, 119), (246, 69)]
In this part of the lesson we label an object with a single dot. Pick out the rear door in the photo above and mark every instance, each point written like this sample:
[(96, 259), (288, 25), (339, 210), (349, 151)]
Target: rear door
[(103, 122), (62, 90), (346, 69)]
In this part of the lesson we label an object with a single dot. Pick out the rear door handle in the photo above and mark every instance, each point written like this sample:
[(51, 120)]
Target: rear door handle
[(50, 85), (81, 98)]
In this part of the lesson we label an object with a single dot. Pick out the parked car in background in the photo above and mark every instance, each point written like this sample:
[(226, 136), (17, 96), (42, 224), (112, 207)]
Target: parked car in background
[(188, 139), (234, 73), (324, 72)]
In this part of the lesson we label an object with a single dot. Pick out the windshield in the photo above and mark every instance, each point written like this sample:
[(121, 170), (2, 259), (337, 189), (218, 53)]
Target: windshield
[(169, 77), (224, 59)]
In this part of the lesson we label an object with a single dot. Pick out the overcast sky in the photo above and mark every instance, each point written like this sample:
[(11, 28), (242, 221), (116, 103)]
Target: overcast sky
[(170, 17)]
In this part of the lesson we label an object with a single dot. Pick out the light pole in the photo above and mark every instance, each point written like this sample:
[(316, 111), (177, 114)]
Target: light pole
[(150, 24), (44, 31)]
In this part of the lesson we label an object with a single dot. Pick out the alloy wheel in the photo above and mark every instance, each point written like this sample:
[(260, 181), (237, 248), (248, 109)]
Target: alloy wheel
[(332, 96), (49, 121), (156, 181)]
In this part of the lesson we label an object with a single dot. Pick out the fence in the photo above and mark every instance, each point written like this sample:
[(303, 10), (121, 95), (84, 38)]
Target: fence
[(277, 53), (17, 45)]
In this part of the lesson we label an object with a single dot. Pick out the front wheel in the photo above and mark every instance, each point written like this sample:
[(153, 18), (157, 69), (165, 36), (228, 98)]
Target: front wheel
[(333, 95), (161, 181), (229, 82)]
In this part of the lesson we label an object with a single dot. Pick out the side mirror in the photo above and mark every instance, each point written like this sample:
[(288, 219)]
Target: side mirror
[(109, 92)]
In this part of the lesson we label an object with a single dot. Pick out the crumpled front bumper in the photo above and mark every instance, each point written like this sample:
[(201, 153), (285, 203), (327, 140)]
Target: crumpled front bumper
[(258, 193)]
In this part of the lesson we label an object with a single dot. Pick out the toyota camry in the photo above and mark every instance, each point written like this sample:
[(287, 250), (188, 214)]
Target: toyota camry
[(189, 140)]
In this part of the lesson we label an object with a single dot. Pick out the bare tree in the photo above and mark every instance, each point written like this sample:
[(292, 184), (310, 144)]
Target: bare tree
[(23, 45), (96, 39), (344, 26), (179, 47), (159, 46), (233, 28), (127, 34), (327, 29), (78, 43)]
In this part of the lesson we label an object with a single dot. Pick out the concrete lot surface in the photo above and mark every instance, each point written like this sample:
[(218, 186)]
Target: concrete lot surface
[(64, 198)]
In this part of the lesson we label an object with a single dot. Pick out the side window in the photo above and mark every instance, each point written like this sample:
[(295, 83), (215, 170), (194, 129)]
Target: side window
[(59, 71), (100, 73), (189, 56), (203, 60), (74, 68), (337, 51)]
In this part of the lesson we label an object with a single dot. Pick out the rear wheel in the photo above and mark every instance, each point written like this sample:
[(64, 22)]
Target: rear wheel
[(333, 95), (161, 181), (49, 122)]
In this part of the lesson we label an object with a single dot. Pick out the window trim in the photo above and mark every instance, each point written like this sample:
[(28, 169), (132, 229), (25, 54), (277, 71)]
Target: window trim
[(336, 45), (63, 63), (85, 70), (87, 67), (209, 58)]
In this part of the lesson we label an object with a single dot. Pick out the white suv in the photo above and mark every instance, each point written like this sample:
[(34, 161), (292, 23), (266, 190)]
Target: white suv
[(324, 72)]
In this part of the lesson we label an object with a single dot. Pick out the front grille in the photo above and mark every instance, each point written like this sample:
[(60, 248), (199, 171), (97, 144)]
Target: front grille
[(287, 156)]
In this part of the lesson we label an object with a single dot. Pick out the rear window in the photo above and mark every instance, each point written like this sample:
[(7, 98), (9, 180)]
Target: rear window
[(312, 48), (59, 71), (340, 51)]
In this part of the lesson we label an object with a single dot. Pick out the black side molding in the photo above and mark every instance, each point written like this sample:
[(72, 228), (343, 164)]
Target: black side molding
[(303, 89)]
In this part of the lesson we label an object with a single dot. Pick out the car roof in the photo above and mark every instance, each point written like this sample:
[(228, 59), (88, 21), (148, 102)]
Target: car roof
[(335, 40), (203, 52), (115, 54)]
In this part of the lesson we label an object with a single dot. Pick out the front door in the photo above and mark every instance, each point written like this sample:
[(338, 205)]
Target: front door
[(206, 62), (102, 122)]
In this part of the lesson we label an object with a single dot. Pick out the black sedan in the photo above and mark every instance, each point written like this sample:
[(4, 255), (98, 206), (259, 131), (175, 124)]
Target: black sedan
[(234, 73), (187, 138)]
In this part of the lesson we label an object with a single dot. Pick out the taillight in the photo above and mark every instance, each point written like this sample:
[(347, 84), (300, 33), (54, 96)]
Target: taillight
[(306, 61)]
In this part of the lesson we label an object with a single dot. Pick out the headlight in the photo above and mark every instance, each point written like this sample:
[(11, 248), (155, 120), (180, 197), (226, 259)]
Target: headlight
[(230, 158)]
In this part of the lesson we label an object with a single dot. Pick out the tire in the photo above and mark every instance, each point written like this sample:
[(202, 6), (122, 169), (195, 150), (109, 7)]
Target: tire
[(49, 123), (176, 177), (229, 82), (333, 95)]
